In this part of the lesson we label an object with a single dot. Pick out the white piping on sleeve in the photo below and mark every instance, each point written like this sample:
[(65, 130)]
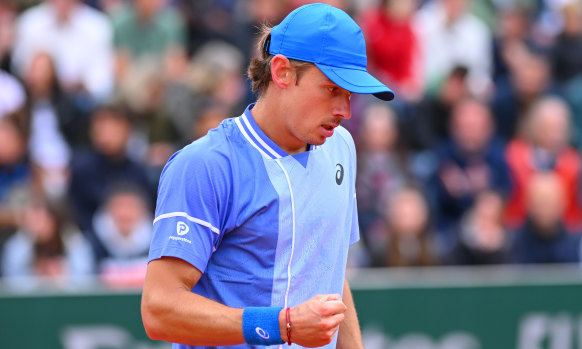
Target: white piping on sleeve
[(188, 217)]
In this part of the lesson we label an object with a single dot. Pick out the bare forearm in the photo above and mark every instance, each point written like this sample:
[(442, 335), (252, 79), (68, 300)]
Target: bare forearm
[(349, 334), (188, 318)]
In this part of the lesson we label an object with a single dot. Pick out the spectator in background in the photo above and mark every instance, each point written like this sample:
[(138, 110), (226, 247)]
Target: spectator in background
[(471, 161), (405, 238), (382, 168), (213, 81), (530, 79), (124, 227), (545, 148), (393, 46), (46, 245), (78, 38), (232, 22), (103, 166), (451, 36), (168, 105), (15, 173), (567, 49), (543, 238), (147, 30), (513, 40), (567, 64), (49, 115), (66, 123), (482, 237), (429, 125), (8, 13), (217, 76)]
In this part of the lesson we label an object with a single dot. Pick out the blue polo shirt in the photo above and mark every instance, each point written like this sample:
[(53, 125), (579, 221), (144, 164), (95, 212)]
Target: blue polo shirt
[(265, 228)]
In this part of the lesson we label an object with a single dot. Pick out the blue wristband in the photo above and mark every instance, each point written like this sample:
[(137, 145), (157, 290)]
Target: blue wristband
[(261, 325)]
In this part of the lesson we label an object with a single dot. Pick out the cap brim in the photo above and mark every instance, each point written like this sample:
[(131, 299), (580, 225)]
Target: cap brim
[(357, 81)]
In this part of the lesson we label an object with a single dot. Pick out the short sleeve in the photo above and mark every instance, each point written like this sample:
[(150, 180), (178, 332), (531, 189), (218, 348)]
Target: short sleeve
[(193, 205)]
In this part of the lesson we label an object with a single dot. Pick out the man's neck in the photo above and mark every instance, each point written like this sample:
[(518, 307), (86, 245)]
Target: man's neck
[(270, 119)]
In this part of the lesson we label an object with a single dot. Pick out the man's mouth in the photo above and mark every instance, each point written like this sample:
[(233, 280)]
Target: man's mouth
[(331, 125)]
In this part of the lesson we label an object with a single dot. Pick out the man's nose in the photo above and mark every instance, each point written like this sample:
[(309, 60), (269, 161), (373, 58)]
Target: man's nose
[(343, 107)]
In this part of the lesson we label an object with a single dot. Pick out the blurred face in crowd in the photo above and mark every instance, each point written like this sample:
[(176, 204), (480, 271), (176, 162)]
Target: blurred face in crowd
[(546, 201), (110, 133), (127, 210), (148, 8), (513, 24), (572, 13), (487, 216), (530, 75), (454, 88), (408, 213), (8, 15), (454, 8), (471, 125), (12, 144), (39, 222), (400, 9), (550, 123), (267, 11), (63, 8), (41, 75), (379, 130)]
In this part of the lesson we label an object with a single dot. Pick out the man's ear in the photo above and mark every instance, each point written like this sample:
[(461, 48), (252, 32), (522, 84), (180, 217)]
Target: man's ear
[(281, 71)]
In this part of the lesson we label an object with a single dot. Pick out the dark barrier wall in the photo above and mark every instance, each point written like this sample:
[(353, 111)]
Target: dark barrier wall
[(414, 309)]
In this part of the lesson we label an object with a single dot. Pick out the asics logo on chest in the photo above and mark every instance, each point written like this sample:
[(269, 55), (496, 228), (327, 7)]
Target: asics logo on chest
[(339, 174)]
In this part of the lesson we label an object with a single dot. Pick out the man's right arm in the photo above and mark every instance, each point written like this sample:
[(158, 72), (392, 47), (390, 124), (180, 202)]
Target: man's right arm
[(171, 312)]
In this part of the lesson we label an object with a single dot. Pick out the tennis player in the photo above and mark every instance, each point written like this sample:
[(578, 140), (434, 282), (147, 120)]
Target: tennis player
[(254, 220)]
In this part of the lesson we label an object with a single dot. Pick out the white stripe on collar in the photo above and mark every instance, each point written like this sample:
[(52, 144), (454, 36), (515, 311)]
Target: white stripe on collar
[(270, 150), (246, 135)]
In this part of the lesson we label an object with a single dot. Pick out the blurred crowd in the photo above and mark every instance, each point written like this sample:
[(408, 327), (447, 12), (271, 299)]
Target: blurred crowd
[(476, 161)]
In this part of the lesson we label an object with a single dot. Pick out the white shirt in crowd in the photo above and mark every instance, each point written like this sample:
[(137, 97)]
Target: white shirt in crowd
[(466, 41), (82, 47)]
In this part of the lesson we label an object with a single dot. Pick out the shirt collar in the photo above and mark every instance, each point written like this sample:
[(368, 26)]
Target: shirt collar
[(258, 139)]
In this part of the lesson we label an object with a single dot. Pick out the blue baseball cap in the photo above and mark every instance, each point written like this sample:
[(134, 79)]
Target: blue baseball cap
[(329, 38)]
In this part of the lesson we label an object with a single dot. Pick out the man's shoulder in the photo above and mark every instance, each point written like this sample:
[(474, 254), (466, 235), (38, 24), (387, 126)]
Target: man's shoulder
[(215, 149)]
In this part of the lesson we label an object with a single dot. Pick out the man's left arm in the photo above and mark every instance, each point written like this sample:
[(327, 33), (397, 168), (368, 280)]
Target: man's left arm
[(349, 335)]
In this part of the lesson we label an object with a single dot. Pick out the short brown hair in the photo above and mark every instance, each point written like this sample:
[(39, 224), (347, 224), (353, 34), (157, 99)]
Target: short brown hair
[(259, 71)]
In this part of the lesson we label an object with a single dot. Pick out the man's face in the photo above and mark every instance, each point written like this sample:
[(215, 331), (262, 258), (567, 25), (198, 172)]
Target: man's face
[(313, 107)]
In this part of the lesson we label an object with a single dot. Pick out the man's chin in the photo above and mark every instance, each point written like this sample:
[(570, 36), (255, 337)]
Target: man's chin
[(318, 141)]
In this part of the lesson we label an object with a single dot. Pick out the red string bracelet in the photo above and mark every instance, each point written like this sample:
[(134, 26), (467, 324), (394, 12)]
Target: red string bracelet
[(288, 317)]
